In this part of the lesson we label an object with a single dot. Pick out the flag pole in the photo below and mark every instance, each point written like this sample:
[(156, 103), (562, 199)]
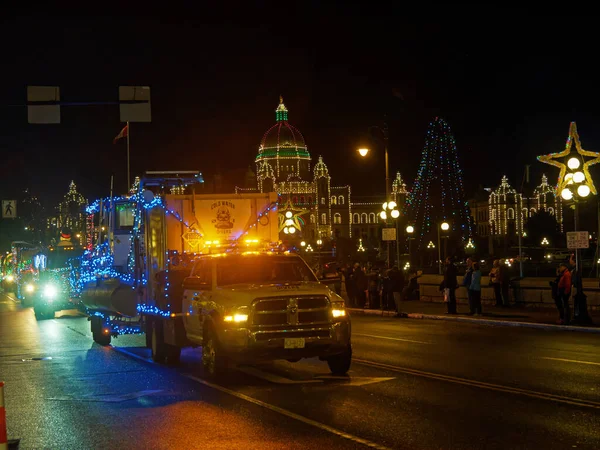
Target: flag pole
[(128, 176)]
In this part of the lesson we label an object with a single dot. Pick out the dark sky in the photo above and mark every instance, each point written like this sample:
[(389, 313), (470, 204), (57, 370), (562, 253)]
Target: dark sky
[(508, 84)]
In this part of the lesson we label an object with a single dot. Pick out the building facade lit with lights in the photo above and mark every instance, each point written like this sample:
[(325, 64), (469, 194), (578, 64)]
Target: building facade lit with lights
[(71, 216), (306, 192), (505, 211)]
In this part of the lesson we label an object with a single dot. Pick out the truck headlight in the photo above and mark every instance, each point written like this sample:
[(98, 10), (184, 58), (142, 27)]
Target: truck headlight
[(29, 288), (237, 318), (50, 291), (338, 310)]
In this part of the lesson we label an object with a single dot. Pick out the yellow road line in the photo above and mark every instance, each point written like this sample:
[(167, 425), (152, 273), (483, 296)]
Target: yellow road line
[(571, 361), (481, 384), (390, 338)]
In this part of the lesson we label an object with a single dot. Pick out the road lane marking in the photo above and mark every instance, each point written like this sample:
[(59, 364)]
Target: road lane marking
[(355, 381), (271, 377), (108, 398), (481, 384), (390, 338), (285, 412), (571, 360)]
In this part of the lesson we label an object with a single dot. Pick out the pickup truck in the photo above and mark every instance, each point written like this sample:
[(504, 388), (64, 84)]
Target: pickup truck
[(250, 307)]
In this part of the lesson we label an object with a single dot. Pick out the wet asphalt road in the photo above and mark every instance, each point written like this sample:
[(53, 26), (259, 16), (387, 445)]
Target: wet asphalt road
[(414, 384)]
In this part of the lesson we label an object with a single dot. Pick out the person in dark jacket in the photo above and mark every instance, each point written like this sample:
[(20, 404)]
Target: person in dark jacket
[(450, 285), (396, 286), (467, 283), (362, 284)]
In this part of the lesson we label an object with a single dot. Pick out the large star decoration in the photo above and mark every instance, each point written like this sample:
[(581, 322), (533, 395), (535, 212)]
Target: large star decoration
[(296, 216), (553, 159)]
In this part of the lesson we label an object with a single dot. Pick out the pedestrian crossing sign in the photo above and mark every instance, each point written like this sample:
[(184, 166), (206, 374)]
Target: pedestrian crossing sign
[(9, 209)]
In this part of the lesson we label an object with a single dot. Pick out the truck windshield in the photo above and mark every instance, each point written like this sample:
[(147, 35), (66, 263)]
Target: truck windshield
[(262, 270), (58, 258)]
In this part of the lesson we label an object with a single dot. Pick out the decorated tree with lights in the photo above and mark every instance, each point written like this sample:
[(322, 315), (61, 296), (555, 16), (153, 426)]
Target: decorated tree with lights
[(438, 193)]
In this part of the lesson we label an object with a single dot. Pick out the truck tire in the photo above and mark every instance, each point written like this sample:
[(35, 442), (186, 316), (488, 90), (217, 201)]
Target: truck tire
[(340, 364), (99, 336), (214, 361), (159, 351)]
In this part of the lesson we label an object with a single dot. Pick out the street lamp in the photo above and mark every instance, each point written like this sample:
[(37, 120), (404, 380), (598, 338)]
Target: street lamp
[(363, 152), (444, 226), (409, 231), (391, 207)]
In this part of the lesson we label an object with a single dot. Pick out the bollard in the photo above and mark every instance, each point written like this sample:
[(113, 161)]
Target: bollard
[(3, 434)]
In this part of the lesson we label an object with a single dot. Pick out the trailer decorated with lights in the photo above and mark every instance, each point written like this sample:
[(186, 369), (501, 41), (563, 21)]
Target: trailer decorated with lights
[(145, 242)]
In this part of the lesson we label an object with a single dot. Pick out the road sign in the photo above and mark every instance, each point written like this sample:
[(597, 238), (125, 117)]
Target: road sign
[(578, 239), (388, 234), (43, 113), (9, 209), (136, 112)]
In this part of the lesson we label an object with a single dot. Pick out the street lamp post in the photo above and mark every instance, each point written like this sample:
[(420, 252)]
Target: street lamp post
[(319, 244), (363, 152), (395, 213), (409, 231), (444, 226), (576, 189)]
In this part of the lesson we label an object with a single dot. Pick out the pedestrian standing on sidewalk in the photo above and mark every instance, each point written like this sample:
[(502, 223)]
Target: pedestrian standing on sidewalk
[(495, 282), (351, 287), (475, 290), (360, 278), (450, 285), (396, 285), (467, 284), (564, 292)]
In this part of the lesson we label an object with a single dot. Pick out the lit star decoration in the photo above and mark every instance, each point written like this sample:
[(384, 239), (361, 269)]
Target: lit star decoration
[(554, 160), (290, 217)]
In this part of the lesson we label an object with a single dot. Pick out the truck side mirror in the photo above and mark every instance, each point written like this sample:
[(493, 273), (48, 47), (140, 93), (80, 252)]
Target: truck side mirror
[(195, 283)]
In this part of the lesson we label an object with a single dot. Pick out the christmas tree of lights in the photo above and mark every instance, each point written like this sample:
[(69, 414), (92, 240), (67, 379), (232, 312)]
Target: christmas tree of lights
[(438, 193)]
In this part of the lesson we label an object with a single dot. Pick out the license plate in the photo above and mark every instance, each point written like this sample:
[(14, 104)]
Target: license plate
[(294, 343)]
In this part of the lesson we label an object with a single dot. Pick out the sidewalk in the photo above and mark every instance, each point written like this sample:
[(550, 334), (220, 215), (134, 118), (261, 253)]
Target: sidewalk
[(519, 316)]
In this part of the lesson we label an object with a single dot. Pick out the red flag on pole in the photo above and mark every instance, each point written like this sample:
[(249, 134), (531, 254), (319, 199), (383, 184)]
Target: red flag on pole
[(122, 134)]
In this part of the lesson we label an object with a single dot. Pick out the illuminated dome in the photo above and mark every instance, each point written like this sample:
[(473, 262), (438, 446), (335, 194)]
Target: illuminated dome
[(284, 148)]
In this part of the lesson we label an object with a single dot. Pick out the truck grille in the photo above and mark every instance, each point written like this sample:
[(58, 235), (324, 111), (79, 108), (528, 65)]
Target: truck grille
[(285, 311)]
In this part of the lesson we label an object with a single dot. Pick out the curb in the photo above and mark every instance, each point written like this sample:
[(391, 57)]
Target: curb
[(504, 323)]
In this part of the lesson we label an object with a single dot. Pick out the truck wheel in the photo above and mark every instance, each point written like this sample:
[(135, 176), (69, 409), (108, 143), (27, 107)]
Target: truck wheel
[(98, 334), (158, 343), (102, 338), (340, 364), (214, 362), (173, 354)]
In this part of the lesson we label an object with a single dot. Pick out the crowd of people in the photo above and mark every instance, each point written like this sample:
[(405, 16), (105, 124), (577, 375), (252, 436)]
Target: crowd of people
[(375, 287)]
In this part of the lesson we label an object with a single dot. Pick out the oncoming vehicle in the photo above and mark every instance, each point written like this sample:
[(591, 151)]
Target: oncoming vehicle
[(253, 307), (52, 292)]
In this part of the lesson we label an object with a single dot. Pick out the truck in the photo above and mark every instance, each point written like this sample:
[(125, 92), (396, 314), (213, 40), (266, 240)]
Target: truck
[(51, 291), (207, 270), (21, 268)]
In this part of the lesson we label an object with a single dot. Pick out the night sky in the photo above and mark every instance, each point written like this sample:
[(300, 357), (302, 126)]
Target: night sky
[(508, 85)]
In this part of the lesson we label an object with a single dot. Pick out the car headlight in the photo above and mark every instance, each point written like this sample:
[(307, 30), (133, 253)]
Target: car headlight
[(9, 278), (338, 310), (50, 291), (237, 318), (29, 288)]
